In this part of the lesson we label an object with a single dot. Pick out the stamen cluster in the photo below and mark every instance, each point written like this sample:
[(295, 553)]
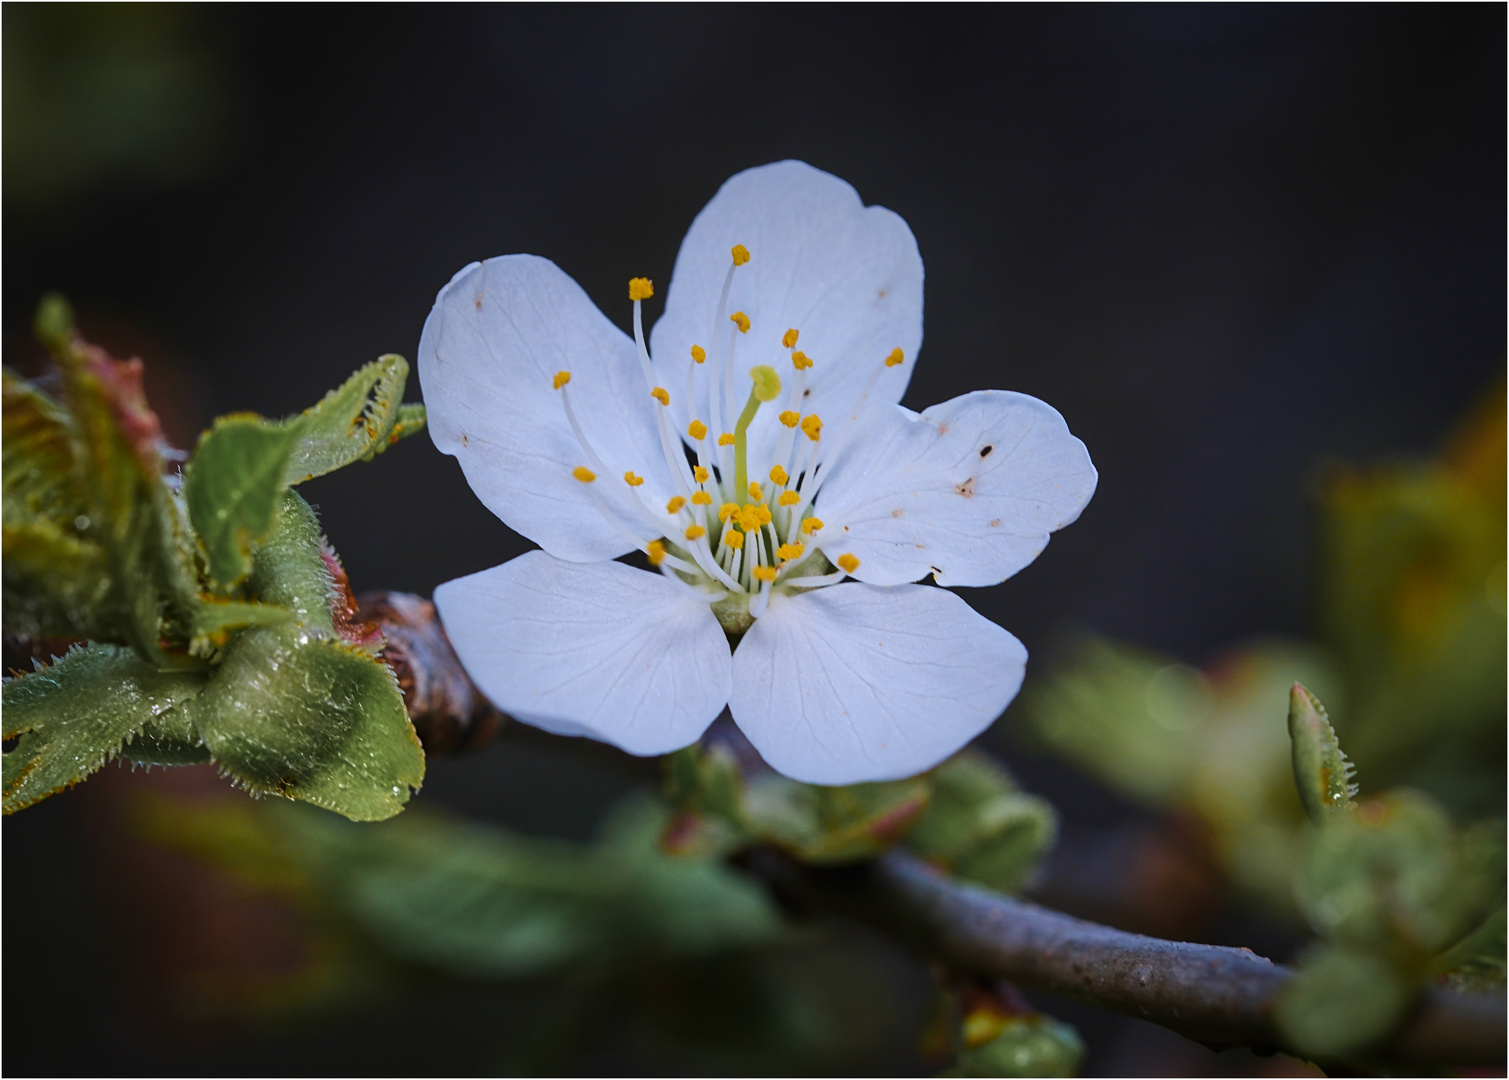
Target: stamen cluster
[(761, 534)]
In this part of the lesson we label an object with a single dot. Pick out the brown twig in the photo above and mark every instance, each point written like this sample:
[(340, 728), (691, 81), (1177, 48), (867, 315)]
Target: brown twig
[(1222, 997)]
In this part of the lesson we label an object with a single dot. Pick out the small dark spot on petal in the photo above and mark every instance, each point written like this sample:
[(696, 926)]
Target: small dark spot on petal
[(846, 528), (807, 392), (996, 524), (478, 301), (985, 451), (967, 489), (898, 512), (464, 439)]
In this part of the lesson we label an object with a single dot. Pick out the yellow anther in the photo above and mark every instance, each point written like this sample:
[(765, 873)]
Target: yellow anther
[(733, 538), (764, 573), (726, 439), (790, 418), (695, 532), (697, 430), (560, 380), (661, 394), (727, 510), (676, 503), (640, 288), (740, 254), (895, 359), (788, 339), (754, 491), (701, 498), (632, 480), (700, 473), (812, 426), (811, 525), (656, 552), (584, 474), (801, 360), (749, 518), (762, 513), (848, 563), (787, 552), (740, 320), (699, 354), (778, 476), (767, 384), (789, 498)]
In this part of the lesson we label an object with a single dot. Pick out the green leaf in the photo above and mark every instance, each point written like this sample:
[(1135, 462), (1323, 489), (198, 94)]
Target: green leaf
[(289, 569), (168, 739), (39, 464), (1340, 1001), (688, 906), (830, 825), (354, 422), (1392, 877), (233, 487), (1322, 772), (55, 584), (311, 718), (53, 323), (1030, 1045), (147, 587), (74, 716), (216, 618), (1476, 963), (481, 902), (411, 421), (980, 827)]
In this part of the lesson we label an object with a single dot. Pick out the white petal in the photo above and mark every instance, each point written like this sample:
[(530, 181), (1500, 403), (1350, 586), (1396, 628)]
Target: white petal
[(853, 682), (491, 347), (602, 650), (847, 276), (969, 490)]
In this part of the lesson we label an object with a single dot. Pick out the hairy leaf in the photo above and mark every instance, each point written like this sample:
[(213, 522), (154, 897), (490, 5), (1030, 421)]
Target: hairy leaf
[(311, 718), (233, 487), (216, 618), (38, 469), (1322, 772), (355, 421), (289, 570), (56, 584), (74, 716), (147, 585)]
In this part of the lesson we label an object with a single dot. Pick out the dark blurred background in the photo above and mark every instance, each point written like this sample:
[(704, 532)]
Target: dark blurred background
[(1230, 244)]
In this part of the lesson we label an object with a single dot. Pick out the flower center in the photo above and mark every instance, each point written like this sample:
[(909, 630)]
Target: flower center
[(735, 537)]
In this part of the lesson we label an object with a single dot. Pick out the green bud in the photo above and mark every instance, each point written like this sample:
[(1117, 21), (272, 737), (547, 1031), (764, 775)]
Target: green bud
[(1322, 772), (54, 322)]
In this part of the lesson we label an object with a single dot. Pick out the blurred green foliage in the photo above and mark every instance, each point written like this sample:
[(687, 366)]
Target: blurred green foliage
[(215, 614), (1397, 894), (609, 936), (1411, 614), (98, 92), (966, 816)]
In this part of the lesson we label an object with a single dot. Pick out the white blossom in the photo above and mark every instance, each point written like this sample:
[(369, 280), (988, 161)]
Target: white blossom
[(757, 455)]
